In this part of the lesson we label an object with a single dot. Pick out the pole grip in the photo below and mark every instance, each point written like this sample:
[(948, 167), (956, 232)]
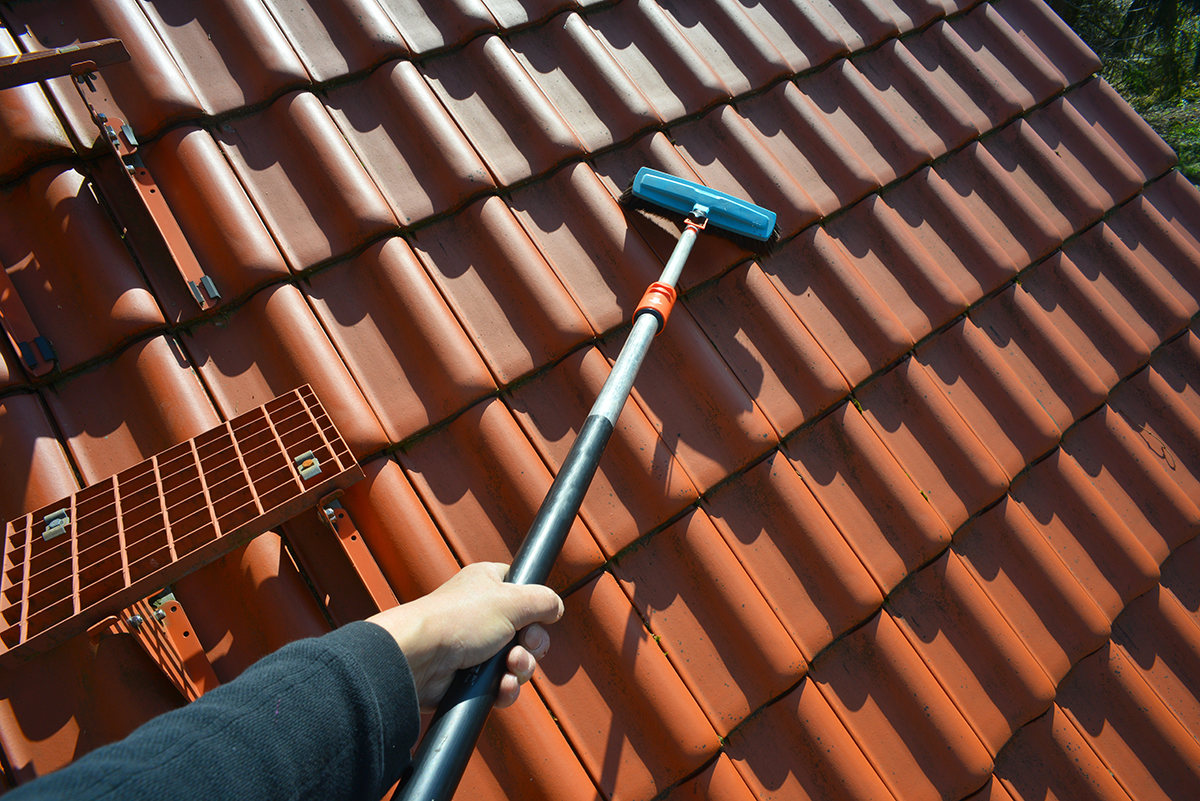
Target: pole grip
[(442, 756)]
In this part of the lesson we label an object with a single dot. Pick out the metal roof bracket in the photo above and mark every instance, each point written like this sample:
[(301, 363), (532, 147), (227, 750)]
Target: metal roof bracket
[(333, 513), (36, 353)]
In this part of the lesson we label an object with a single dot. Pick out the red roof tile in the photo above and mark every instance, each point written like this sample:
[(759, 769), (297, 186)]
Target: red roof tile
[(834, 548), (409, 144), (639, 484), (709, 619)]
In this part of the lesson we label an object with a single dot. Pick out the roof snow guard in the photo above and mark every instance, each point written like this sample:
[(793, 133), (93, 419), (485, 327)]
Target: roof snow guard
[(98, 550)]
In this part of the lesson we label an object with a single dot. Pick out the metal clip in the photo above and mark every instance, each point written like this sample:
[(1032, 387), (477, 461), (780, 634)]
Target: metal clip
[(56, 523), (307, 465)]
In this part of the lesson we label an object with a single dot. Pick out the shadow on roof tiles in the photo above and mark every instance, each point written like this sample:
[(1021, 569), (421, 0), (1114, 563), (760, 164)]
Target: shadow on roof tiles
[(334, 39), (309, 186), (720, 781), (709, 618), (70, 268), (483, 482), (129, 409), (149, 90), (31, 129), (516, 129), (794, 554), (408, 142), (628, 716), (638, 485), (798, 748), (427, 25), (34, 470), (405, 348), (232, 54)]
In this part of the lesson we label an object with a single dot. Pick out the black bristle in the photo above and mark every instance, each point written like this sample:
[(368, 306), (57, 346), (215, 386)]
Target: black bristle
[(761, 248)]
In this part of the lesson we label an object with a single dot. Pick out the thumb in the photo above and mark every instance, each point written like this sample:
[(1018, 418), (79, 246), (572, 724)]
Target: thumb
[(532, 603)]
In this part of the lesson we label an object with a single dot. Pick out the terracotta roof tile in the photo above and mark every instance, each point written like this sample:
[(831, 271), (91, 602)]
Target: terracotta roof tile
[(220, 222), (959, 243), (741, 55), (946, 460), (891, 260), (1135, 480), (798, 748), (714, 626), (720, 781), (1166, 249), (1035, 22), (129, 409), (1106, 173), (1034, 590), (259, 575), (232, 54), (950, 68), (1042, 176), (851, 106), (698, 406), (1122, 128), (508, 299), (407, 141), (1092, 540), (334, 39), (931, 112), (523, 747), (813, 154), (1049, 759), (859, 24), (1063, 383), (62, 252), (1109, 345), (631, 720), (883, 516), (1144, 745), (976, 657), (639, 484), (405, 348), (585, 83), (898, 714), (798, 31), (150, 95), (314, 195), (1000, 205), (723, 137), (500, 108), (966, 365), (658, 58), (794, 553), (1164, 422), (1009, 56), (1177, 574), (274, 344), (402, 538), (771, 352), (515, 13), (837, 305), (29, 128), (467, 476), (1157, 637), (426, 27), (584, 234), (35, 470)]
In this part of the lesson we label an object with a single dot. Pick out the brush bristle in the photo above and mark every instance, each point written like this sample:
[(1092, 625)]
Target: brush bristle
[(759, 247)]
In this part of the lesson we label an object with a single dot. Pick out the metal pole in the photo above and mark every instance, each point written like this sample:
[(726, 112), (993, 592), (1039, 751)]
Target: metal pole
[(442, 756)]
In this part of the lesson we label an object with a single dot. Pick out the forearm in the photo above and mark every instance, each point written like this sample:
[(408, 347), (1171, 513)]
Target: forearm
[(328, 718)]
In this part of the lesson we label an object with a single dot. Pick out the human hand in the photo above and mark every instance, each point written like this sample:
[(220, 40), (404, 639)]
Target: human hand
[(467, 620)]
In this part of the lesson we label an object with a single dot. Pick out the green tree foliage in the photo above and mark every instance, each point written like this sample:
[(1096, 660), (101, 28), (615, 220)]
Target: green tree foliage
[(1151, 55)]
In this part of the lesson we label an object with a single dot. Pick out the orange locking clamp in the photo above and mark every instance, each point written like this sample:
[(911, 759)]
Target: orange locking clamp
[(658, 300)]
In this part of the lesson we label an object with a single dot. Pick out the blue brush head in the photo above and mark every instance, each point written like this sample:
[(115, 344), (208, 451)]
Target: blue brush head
[(722, 210)]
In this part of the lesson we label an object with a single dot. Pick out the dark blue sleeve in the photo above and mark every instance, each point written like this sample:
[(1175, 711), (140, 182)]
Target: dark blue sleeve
[(326, 718)]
